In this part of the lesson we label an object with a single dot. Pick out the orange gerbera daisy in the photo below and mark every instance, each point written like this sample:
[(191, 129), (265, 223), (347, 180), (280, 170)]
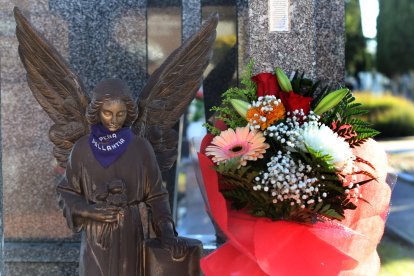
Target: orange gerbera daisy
[(242, 143), (265, 112)]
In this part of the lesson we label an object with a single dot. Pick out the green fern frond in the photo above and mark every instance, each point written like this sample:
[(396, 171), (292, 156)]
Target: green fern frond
[(302, 215), (243, 176), (212, 129), (348, 204), (225, 111), (344, 114), (320, 163), (246, 80), (334, 186), (240, 198), (327, 210), (333, 214), (354, 111)]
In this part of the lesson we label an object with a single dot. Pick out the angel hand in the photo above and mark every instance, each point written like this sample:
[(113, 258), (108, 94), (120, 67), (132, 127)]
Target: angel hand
[(101, 213), (177, 246)]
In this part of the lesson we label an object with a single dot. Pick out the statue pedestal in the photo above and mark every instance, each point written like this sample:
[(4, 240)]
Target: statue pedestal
[(60, 258)]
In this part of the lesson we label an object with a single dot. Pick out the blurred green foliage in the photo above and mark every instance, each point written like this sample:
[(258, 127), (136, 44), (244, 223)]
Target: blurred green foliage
[(391, 115), (395, 29), (397, 258), (196, 110), (357, 58)]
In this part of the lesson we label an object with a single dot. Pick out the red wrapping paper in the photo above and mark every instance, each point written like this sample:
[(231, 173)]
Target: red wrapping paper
[(259, 246)]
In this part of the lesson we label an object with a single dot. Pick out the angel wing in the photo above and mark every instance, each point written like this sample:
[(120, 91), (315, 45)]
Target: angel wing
[(170, 90), (55, 86)]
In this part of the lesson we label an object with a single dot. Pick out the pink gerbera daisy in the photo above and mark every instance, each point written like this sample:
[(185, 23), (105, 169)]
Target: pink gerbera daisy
[(242, 143)]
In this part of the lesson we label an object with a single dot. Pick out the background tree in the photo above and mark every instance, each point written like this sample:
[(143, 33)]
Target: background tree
[(356, 57), (395, 37)]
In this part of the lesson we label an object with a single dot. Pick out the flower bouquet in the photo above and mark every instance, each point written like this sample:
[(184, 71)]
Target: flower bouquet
[(294, 180)]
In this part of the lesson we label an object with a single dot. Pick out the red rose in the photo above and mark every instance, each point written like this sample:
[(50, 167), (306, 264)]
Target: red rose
[(293, 101), (266, 84)]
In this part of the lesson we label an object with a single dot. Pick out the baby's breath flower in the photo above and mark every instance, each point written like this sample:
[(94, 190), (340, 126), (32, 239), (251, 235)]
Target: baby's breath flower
[(287, 179), (288, 132)]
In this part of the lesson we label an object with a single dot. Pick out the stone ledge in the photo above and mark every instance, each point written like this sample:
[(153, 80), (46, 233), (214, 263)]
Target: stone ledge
[(41, 252)]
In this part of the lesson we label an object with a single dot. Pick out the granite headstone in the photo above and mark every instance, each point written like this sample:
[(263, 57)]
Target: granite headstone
[(314, 44)]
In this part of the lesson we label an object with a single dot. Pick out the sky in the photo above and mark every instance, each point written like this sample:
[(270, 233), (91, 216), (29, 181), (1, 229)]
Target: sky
[(369, 13)]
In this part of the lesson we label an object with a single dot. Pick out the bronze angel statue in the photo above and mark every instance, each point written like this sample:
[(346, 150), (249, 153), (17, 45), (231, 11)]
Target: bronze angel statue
[(113, 148)]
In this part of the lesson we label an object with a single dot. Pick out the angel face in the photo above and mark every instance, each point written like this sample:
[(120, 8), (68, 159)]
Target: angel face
[(113, 114)]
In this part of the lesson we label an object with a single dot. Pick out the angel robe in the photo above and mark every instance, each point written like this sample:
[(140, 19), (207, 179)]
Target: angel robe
[(138, 169)]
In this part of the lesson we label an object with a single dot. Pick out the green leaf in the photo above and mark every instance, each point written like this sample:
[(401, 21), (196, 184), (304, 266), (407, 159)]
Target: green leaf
[(317, 207), (325, 208), (331, 100), (240, 106), (283, 80), (333, 214)]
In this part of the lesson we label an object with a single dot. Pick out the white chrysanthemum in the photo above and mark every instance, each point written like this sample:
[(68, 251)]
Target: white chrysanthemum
[(323, 139)]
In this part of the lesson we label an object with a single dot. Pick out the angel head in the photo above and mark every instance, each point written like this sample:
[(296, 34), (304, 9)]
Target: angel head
[(112, 105)]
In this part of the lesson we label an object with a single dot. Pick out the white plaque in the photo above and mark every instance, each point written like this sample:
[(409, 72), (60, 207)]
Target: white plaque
[(279, 15)]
